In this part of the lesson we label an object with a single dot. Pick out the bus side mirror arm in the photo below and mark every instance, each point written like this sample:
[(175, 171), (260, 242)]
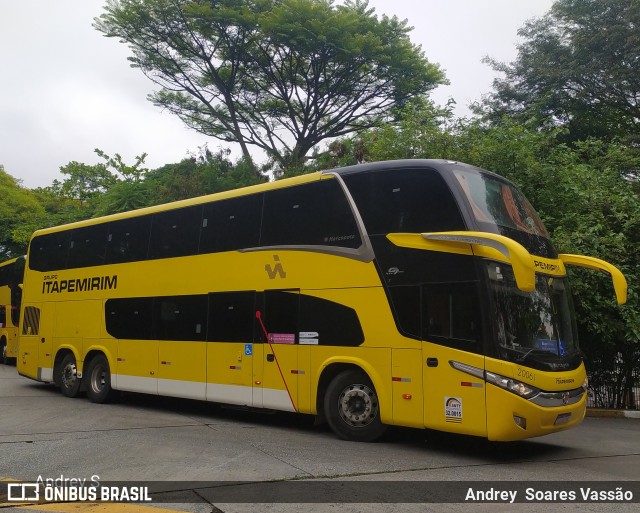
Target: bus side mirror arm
[(619, 281), (488, 245)]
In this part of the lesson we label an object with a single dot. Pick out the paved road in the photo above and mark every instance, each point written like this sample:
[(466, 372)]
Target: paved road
[(193, 448)]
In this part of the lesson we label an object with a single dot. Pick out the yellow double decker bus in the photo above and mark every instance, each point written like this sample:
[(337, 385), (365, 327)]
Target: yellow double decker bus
[(11, 273), (419, 293)]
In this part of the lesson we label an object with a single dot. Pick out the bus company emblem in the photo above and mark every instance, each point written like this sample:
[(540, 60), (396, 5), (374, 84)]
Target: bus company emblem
[(56, 286), (554, 268), (276, 270), (393, 271)]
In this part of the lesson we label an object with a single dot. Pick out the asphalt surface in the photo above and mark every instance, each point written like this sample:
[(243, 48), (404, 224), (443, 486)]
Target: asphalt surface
[(201, 457)]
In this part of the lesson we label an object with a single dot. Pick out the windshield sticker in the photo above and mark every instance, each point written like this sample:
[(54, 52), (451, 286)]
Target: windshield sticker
[(453, 409)]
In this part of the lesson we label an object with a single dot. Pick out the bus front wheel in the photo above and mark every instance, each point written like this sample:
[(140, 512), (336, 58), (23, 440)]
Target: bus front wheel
[(352, 408), (99, 375), (68, 376)]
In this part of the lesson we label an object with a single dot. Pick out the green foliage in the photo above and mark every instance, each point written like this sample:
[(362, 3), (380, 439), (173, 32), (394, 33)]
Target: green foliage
[(90, 190), (422, 130), (126, 189), (20, 213), (577, 68), (124, 196), (279, 75), (206, 173)]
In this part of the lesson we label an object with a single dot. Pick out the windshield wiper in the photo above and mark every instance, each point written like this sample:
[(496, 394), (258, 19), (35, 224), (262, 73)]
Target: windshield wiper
[(534, 350)]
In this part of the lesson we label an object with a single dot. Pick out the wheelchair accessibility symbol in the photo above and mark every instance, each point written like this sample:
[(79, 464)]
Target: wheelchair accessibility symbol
[(248, 349)]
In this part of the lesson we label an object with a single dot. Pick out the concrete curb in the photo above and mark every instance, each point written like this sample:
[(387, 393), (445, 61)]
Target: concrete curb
[(628, 414)]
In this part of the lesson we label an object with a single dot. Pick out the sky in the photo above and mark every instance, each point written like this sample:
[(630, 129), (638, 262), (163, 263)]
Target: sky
[(65, 89)]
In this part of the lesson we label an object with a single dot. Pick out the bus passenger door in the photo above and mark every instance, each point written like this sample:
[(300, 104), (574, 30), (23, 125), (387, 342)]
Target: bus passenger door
[(180, 323), (276, 359), (230, 348), (454, 400)]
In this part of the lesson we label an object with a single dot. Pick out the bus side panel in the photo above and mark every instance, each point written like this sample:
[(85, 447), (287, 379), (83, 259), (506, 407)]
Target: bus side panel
[(407, 388), (35, 359), (182, 369), (12, 342), (77, 324), (137, 366), (453, 401), (29, 340), (8, 331)]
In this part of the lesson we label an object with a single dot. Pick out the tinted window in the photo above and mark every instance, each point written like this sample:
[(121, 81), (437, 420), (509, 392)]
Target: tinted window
[(231, 316), (49, 252), (3, 318), (328, 323), (180, 318), (128, 240), (16, 301), (175, 233), (12, 274), (316, 214), (231, 224), (451, 311), (88, 246), (405, 301), (130, 318), (280, 316), (406, 200), (5, 275)]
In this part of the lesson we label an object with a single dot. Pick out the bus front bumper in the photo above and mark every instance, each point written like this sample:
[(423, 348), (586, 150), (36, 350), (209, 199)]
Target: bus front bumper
[(511, 417)]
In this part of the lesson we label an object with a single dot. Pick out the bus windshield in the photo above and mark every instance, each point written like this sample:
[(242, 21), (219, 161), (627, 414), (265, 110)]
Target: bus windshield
[(532, 326), (498, 203)]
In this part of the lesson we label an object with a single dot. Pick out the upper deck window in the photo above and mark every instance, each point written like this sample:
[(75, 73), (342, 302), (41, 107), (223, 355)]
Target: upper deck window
[(311, 214), (404, 201)]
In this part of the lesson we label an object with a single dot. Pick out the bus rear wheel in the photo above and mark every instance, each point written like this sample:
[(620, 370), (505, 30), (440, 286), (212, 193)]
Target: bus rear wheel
[(68, 376), (352, 408), (99, 375)]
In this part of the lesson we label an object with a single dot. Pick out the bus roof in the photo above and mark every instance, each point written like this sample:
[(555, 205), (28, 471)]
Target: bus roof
[(11, 261), (438, 164)]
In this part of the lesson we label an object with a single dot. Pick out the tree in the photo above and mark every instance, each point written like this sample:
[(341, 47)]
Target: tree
[(128, 189), (84, 182), (278, 75), (96, 189), (21, 214), (578, 68), (205, 173)]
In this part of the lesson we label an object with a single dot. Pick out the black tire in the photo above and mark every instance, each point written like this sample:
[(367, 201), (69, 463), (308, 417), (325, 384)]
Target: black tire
[(352, 408), (98, 376), (3, 352), (67, 377)]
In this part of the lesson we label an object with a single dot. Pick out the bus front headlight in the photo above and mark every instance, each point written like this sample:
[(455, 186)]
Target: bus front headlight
[(512, 385)]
